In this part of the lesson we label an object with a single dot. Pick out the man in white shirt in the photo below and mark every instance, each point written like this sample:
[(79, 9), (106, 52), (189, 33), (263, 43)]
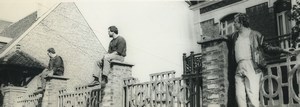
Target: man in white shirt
[(245, 46)]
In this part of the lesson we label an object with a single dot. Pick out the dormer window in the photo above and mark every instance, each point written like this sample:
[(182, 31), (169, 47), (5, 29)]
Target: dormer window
[(4, 41)]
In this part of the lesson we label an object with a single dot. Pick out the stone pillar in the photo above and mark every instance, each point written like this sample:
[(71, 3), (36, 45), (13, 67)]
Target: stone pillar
[(53, 85), (11, 94), (113, 92), (215, 69)]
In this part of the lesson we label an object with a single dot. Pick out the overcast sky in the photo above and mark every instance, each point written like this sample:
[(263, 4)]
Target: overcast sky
[(157, 32)]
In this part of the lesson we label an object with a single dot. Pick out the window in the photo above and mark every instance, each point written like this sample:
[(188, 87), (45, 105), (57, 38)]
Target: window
[(284, 28), (283, 23), (226, 24)]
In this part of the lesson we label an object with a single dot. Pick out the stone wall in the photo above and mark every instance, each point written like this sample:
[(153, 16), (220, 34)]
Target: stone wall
[(11, 94), (53, 85), (214, 73), (113, 92)]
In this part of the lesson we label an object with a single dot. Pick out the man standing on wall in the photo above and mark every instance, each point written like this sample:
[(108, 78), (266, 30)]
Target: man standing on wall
[(55, 67), (246, 47), (116, 49)]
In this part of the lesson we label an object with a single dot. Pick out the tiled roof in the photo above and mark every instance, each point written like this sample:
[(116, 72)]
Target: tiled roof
[(17, 29), (21, 59), (4, 24)]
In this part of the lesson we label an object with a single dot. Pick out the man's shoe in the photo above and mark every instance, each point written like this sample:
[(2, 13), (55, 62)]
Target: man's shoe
[(100, 64), (39, 88)]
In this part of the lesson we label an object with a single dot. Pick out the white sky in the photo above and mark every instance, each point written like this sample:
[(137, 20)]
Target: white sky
[(157, 32), (12, 10)]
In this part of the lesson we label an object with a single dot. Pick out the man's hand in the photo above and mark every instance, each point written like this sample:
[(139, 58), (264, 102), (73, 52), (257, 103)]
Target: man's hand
[(296, 52), (114, 53), (292, 53), (100, 63), (50, 73), (224, 37)]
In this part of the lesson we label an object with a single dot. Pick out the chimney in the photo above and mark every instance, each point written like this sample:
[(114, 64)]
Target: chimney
[(18, 47)]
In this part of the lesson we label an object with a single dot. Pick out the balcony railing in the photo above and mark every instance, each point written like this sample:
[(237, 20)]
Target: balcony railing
[(280, 86)]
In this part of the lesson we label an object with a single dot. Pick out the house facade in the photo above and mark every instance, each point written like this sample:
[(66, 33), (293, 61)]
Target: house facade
[(214, 18), (25, 43), (269, 17), (64, 29)]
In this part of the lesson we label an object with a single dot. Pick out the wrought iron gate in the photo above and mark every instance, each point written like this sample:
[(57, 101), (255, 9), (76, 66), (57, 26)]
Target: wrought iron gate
[(192, 66)]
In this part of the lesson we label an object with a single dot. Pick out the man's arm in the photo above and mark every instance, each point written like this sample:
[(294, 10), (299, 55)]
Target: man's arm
[(229, 36), (269, 48), (50, 65)]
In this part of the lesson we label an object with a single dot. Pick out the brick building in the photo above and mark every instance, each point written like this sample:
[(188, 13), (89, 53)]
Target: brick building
[(24, 44)]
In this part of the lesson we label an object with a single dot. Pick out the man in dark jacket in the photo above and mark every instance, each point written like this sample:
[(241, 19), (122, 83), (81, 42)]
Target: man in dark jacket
[(55, 67), (56, 63), (245, 48)]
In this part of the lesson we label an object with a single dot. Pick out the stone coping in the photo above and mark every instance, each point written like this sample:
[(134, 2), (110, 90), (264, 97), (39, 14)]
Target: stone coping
[(56, 77), (211, 40), (162, 73), (14, 88), (170, 80), (114, 62)]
